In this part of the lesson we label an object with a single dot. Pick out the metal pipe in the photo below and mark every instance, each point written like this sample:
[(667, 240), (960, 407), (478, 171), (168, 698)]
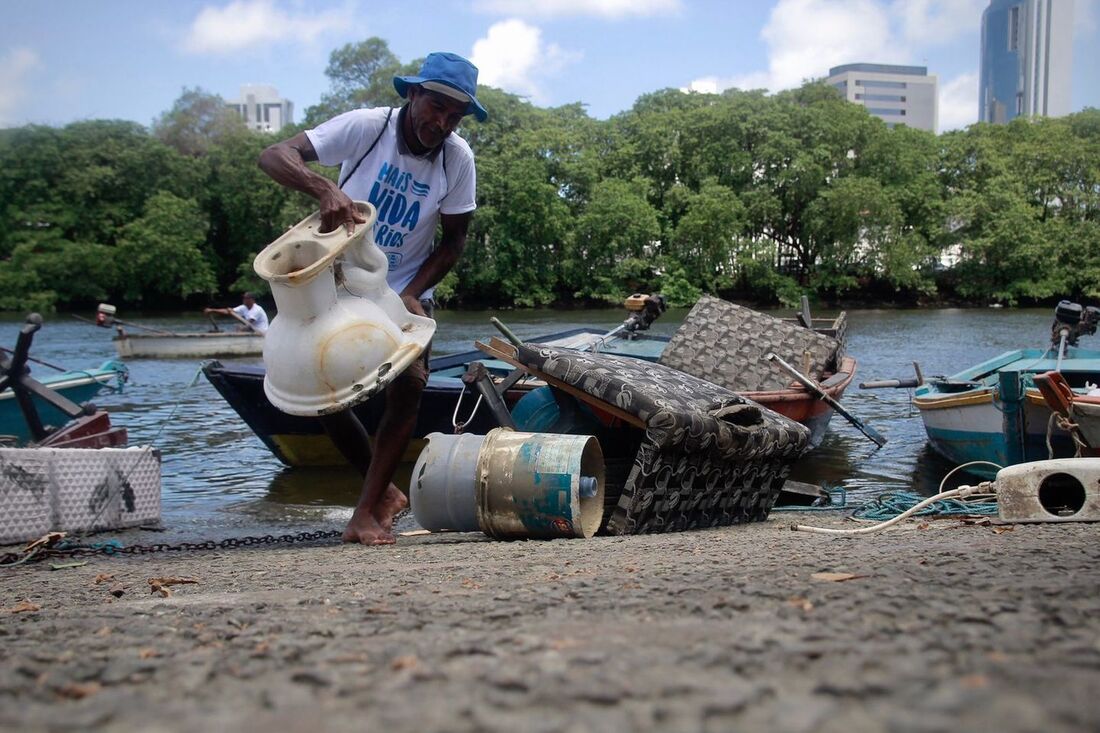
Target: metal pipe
[(507, 332), (1061, 348), (477, 375)]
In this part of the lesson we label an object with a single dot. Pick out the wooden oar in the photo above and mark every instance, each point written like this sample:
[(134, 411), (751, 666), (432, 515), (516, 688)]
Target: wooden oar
[(38, 361), (814, 387), (242, 319), (157, 331)]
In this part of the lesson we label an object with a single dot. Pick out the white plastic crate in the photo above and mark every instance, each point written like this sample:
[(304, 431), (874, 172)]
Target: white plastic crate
[(76, 489)]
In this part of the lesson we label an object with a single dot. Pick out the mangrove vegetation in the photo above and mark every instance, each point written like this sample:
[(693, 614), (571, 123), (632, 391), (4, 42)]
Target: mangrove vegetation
[(746, 195)]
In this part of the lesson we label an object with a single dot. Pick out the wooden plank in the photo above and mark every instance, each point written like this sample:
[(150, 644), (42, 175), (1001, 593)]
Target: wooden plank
[(804, 313), (798, 493), (497, 349)]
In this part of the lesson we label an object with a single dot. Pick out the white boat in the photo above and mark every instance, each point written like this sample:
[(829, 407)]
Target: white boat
[(188, 345), (996, 412)]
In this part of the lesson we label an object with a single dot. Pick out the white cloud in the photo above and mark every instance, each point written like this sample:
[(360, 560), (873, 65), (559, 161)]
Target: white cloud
[(14, 69), (807, 37), (513, 57), (959, 102), (612, 9), (245, 23), (937, 21)]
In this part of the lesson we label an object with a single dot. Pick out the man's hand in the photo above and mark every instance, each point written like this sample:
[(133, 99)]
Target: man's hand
[(337, 209), (286, 162), (412, 305)]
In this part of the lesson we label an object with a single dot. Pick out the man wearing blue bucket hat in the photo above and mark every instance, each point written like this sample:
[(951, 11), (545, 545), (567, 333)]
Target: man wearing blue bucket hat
[(417, 173)]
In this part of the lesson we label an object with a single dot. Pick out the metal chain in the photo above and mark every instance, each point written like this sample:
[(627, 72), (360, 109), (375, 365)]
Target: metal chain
[(17, 558)]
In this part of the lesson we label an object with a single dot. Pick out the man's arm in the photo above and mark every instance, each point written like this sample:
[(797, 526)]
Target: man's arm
[(286, 162), (440, 261)]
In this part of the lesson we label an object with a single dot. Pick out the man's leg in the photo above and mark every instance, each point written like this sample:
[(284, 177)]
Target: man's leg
[(380, 500)]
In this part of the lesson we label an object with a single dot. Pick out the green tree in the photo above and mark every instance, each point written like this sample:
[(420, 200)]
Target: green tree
[(360, 75), (704, 238), (612, 251), (161, 254), (196, 122)]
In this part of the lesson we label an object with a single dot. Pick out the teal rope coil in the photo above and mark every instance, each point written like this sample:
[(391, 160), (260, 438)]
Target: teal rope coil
[(892, 503)]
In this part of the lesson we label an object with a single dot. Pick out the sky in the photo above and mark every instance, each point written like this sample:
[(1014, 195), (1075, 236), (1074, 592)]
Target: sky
[(68, 60)]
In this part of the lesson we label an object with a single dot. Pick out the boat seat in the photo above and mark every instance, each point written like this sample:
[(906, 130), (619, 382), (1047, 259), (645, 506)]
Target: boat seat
[(725, 343), (952, 386), (709, 457)]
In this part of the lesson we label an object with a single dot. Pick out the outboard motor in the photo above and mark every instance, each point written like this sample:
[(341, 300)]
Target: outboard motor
[(105, 315), (1072, 321), (644, 310)]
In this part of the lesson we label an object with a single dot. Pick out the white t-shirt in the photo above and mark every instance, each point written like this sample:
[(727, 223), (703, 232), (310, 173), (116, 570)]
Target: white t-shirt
[(409, 191), (255, 315)]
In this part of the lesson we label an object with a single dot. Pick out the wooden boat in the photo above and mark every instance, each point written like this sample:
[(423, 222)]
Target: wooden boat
[(301, 441), (53, 411), (995, 412), (136, 341), (76, 386), (187, 344)]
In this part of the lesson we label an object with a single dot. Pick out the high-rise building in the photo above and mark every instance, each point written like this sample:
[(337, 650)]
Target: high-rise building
[(262, 109), (900, 95), (1027, 59)]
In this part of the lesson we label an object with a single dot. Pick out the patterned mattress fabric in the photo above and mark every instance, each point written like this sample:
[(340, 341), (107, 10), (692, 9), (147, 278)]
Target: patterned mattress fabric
[(709, 457), (725, 343)]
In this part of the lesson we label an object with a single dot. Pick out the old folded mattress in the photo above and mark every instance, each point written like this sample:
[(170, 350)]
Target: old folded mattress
[(709, 457), (726, 343)]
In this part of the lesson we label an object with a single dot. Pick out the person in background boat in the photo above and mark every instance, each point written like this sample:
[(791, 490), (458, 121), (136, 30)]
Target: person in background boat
[(411, 166), (249, 310)]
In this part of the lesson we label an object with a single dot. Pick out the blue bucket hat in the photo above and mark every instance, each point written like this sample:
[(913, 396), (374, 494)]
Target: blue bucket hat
[(450, 74)]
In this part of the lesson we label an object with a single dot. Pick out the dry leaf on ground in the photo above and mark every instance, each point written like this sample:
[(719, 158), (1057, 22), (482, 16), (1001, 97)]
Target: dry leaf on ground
[(24, 606), (47, 540), (160, 585), (835, 577), (407, 661), (804, 604), (77, 690)]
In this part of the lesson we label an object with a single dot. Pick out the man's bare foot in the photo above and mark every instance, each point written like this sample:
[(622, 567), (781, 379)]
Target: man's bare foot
[(393, 502), (365, 529)]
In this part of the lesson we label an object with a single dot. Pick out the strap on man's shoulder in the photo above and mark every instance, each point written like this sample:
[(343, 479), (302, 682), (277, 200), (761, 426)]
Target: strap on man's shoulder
[(389, 114)]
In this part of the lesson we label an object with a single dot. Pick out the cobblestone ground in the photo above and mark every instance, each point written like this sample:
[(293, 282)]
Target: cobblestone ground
[(950, 627)]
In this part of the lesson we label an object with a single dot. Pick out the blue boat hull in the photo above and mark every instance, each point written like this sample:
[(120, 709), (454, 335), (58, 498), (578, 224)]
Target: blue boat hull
[(79, 387), (993, 411)]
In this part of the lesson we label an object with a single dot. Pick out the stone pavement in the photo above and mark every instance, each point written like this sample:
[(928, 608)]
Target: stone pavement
[(944, 626)]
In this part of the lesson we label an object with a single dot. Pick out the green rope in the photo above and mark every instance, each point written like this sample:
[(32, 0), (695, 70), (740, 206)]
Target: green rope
[(892, 503)]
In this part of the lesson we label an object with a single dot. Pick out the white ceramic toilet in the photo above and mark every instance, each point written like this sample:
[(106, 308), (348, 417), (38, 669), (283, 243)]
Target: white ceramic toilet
[(341, 333)]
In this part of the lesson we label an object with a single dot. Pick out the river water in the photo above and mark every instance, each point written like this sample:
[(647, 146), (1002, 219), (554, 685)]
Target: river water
[(220, 480)]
